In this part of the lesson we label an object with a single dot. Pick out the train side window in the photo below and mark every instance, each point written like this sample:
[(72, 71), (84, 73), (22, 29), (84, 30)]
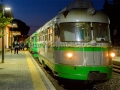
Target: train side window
[(50, 32), (39, 38), (35, 38), (46, 37), (50, 37), (57, 30), (43, 38), (31, 38)]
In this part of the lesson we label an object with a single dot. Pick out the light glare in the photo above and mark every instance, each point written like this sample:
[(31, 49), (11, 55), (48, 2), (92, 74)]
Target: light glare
[(7, 8), (112, 54), (69, 55)]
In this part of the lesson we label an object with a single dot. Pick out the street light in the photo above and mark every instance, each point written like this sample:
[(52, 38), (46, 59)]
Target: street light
[(4, 9)]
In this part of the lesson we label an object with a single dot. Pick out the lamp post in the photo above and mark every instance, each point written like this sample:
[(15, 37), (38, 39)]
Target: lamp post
[(6, 8)]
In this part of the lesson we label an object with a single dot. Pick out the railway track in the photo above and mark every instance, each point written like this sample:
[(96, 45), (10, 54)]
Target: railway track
[(116, 65), (116, 68), (66, 85)]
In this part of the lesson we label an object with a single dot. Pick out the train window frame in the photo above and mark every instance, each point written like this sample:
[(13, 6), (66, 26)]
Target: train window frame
[(46, 37), (102, 30), (57, 29), (68, 31), (74, 26), (43, 37), (32, 39), (50, 33), (40, 38), (37, 37)]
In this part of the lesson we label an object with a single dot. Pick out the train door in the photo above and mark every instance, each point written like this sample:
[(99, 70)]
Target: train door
[(92, 56)]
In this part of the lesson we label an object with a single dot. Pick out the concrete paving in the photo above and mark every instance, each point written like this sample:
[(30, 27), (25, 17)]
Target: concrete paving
[(20, 72)]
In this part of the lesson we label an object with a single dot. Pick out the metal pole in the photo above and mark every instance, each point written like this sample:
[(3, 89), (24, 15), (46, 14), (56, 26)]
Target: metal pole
[(2, 46), (11, 38), (3, 37)]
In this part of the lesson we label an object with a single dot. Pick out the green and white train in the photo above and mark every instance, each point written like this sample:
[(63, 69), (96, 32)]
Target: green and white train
[(75, 44)]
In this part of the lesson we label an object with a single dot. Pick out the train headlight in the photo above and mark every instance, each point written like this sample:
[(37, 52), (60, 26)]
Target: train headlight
[(112, 54), (69, 55)]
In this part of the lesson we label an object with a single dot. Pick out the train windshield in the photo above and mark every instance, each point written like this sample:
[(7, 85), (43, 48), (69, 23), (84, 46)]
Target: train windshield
[(82, 31)]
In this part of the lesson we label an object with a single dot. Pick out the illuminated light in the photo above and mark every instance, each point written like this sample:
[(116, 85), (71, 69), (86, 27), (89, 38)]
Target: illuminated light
[(112, 54), (69, 55), (7, 8)]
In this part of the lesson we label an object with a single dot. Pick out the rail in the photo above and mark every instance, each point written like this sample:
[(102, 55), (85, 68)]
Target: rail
[(116, 64)]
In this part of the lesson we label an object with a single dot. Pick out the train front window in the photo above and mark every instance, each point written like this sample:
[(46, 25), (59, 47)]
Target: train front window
[(101, 31), (82, 31), (75, 32)]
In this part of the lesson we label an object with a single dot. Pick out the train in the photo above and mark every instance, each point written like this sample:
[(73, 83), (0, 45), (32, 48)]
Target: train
[(75, 44)]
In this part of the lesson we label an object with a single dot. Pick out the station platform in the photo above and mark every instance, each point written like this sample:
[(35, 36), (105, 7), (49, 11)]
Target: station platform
[(21, 72)]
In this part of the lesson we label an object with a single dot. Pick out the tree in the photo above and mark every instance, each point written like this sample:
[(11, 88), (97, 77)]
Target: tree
[(4, 21), (111, 8), (108, 10)]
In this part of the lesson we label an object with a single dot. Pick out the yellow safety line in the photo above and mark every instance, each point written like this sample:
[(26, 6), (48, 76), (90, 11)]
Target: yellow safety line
[(37, 81)]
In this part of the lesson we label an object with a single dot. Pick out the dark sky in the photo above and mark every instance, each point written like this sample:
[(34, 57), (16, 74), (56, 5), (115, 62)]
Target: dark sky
[(35, 13)]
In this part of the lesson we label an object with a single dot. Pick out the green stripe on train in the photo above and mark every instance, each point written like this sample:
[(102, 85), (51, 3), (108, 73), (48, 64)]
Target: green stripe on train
[(83, 49)]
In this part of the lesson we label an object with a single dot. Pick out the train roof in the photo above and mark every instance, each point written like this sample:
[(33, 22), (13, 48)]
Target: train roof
[(82, 15), (74, 4), (78, 4)]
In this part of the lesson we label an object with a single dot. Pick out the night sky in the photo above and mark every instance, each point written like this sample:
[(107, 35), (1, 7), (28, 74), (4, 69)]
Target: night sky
[(35, 13)]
